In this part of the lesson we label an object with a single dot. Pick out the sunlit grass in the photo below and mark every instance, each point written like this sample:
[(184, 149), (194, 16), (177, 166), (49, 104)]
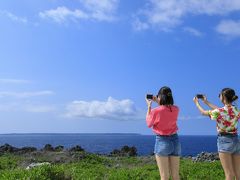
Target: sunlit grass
[(103, 167)]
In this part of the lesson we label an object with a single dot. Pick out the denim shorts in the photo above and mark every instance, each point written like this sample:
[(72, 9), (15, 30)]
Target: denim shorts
[(228, 144), (167, 145)]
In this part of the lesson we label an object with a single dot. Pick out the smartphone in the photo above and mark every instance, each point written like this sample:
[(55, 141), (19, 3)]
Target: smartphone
[(149, 96), (199, 96)]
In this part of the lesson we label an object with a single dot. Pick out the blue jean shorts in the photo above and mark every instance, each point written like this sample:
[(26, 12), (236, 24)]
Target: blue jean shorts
[(167, 145), (228, 144)]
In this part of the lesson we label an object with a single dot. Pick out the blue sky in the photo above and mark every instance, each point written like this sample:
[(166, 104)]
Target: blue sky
[(84, 66)]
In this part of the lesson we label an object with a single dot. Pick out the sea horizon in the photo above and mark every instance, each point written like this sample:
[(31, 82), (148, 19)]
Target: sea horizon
[(104, 143), (55, 133)]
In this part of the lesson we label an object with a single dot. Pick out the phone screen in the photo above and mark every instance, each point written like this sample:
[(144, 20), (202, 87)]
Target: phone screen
[(199, 96), (149, 96)]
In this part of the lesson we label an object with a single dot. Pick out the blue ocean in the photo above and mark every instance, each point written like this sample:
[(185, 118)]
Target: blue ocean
[(105, 143)]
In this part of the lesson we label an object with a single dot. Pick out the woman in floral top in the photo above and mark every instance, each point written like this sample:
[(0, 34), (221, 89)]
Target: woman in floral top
[(227, 119)]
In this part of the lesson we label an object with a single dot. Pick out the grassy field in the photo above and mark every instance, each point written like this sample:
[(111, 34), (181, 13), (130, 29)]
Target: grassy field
[(102, 167)]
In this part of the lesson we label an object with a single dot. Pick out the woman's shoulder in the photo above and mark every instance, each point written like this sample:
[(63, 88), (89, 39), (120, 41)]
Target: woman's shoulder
[(219, 110), (224, 109), (236, 109), (175, 106), (160, 108)]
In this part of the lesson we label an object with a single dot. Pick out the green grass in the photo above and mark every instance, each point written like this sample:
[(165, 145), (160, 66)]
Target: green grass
[(101, 167), (201, 170)]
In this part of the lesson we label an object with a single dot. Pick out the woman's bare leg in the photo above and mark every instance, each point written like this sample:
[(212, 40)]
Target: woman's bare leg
[(174, 167), (163, 166), (236, 165), (227, 164)]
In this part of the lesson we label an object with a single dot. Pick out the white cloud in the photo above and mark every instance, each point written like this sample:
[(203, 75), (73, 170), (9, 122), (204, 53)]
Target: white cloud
[(14, 17), (229, 28), (167, 14), (63, 14), (111, 109), (103, 5), (14, 81), (24, 94), (103, 10), (193, 31)]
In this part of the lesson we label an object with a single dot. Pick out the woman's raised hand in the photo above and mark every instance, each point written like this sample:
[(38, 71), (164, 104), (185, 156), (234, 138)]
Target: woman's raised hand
[(149, 102), (195, 99), (155, 99), (204, 99)]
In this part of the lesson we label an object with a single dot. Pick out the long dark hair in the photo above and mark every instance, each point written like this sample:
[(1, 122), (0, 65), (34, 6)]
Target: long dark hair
[(229, 95), (166, 98)]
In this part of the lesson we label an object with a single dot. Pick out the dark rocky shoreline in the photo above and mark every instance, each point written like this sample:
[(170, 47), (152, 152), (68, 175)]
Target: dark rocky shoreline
[(6, 148), (206, 157), (59, 154), (33, 157)]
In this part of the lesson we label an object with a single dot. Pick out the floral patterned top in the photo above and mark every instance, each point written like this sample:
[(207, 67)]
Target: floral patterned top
[(227, 119)]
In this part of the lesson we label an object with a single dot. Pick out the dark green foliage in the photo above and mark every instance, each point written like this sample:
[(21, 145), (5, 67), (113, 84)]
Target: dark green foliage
[(59, 148), (77, 149), (125, 151), (48, 147), (8, 162)]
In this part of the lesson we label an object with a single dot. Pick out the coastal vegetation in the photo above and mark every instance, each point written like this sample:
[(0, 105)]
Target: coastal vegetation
[(61, 164)]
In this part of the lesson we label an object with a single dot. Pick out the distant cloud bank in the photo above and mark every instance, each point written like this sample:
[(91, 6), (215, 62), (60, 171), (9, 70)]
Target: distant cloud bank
[(14, 81), (27, 107), (191, 117), (24, 94)]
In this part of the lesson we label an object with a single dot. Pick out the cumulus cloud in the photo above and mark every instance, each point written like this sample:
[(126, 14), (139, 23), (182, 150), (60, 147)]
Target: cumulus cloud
[(111, 109), (14, 81), (167, 14), (193, 31), (14, 17), (229, 28), (24, 94), (103, 10)]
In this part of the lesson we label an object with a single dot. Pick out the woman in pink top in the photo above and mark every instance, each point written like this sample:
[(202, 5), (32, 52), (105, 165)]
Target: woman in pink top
[(163, 121)]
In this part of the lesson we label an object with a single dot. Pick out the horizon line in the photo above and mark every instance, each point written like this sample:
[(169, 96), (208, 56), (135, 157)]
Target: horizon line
[(58, 133)]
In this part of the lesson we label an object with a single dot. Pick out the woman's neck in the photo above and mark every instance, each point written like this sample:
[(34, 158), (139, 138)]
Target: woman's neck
[(227, 104)]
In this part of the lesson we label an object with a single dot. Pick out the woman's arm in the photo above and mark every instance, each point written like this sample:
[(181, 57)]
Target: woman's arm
[(149, 103), (212, 106), (148, 110), (204, 112), (150, 116), (148, 121)]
